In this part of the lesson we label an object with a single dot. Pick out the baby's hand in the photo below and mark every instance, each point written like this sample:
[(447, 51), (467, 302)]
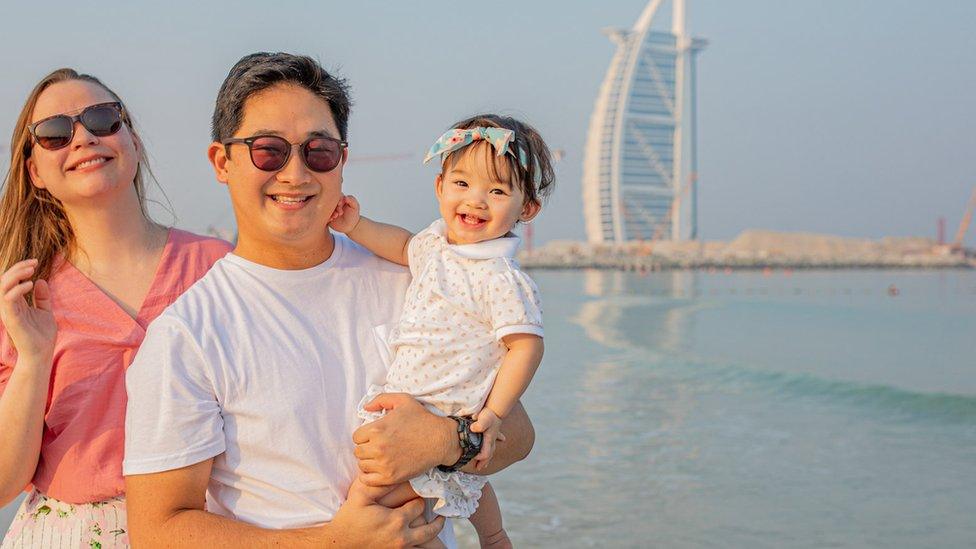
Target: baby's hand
[(490, 426), (345, 217)]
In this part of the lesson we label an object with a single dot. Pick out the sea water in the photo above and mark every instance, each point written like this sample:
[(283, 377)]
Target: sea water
[(777, 409)]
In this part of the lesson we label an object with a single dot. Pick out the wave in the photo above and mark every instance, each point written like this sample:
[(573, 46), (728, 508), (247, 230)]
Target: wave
[(886, 398), (605, 323)]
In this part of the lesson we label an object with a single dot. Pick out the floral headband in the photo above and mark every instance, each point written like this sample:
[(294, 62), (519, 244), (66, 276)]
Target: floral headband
[(456, 139)]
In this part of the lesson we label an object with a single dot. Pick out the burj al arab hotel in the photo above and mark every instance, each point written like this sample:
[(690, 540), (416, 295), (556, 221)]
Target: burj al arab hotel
[(640, 164)]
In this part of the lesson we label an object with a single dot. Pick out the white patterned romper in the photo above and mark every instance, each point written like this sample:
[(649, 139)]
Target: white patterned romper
[(447, 345)]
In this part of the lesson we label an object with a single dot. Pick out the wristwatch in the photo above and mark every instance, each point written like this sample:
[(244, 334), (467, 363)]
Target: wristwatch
[(470, 444)]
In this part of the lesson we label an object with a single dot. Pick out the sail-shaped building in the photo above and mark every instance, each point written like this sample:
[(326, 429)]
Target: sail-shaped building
[(640, 162)]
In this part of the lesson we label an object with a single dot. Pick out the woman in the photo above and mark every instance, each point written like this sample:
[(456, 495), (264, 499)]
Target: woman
[(85, 270)]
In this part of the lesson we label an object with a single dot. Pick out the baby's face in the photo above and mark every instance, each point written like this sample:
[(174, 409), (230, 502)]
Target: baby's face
[(475, 206)]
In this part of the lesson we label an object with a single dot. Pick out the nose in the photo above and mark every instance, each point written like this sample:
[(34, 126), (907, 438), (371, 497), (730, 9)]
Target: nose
[(294, 171), (82, 136), (477, 200)]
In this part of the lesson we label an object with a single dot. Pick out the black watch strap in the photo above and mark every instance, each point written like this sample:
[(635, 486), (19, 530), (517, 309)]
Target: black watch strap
[(470, 444)]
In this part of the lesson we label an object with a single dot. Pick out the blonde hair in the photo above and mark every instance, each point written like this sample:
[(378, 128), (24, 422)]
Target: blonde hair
[(32, 221)]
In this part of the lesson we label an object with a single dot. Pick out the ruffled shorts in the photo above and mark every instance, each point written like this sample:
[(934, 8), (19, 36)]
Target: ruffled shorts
[(456, 494)]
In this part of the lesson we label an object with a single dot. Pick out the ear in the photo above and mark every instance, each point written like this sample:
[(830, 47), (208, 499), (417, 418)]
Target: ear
[(530, 210), (217, 153), (34, 176), (342, 164), (439, 185)]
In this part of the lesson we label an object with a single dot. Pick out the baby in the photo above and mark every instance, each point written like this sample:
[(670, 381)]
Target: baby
[(470, 336)]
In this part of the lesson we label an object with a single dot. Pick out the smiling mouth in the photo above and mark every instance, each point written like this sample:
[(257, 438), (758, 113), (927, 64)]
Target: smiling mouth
[(89, 163), (281, 199), (471, 221)]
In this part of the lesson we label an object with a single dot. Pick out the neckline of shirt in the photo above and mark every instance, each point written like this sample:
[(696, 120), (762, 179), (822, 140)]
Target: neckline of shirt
[(292, 274)]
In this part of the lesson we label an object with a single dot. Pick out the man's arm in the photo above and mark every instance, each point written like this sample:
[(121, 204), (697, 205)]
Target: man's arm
[(167, 509), (409, 440)]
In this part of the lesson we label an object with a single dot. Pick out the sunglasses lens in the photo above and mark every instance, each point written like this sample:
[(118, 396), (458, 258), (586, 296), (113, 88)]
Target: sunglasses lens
[(322, 155), (102, 121), (269, 153), (53, 133)]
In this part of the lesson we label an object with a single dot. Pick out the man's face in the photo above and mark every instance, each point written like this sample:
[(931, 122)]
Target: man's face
[(289, 207)]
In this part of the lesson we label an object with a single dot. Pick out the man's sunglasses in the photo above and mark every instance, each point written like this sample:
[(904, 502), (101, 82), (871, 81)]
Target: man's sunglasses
[(270, 153), (56, 132)]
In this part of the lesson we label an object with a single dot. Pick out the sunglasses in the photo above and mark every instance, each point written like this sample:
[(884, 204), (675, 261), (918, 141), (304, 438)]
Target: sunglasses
[(270, 153), (56, 132)]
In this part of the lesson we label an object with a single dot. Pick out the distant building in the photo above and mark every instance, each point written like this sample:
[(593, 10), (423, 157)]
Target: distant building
[(640, 160)]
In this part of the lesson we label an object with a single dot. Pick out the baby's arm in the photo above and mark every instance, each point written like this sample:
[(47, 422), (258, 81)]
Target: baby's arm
[(387, 241), (516, 371)]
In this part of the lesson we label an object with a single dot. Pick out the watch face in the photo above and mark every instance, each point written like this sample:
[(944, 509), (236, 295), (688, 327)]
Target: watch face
[(475, 439)]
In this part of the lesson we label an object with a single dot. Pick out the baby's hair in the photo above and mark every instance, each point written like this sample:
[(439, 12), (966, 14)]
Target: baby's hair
[(536, 179)]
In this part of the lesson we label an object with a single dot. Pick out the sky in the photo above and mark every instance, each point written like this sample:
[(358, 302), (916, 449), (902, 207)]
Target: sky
[(848, 117)]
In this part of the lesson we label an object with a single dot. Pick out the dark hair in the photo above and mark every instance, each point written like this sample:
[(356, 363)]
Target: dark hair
[(259, 71), (536, 179)]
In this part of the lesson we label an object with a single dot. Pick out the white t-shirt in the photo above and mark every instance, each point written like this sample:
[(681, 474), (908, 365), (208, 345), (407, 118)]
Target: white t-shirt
[(262, 370)]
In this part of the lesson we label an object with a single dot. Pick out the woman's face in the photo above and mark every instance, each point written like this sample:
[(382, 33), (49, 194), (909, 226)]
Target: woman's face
[(90, 169)]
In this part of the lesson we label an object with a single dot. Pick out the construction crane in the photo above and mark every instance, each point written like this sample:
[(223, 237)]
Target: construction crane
[(967, 217)]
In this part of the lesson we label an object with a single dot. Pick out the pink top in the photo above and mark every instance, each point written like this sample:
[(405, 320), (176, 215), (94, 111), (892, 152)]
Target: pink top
[(81, 451)]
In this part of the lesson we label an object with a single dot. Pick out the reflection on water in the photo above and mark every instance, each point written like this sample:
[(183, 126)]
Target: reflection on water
[(633, 312), (655, 310)]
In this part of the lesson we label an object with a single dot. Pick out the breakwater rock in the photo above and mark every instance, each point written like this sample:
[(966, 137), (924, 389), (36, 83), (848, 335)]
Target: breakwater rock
[(754, 249)]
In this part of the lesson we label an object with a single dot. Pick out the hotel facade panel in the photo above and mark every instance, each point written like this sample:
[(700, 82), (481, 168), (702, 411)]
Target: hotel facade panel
[(638, 168)]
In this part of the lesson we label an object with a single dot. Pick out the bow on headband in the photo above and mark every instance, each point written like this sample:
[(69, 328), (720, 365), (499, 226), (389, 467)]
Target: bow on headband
[(456, 139)]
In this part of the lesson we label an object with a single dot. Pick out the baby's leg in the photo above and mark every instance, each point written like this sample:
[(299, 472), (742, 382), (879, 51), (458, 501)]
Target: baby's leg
[(487, 521)]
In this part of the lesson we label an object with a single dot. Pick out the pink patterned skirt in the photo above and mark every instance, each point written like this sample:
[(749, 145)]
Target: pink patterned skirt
[(46, 522)]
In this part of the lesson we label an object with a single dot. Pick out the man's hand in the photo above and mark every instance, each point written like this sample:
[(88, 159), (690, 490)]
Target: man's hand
[(364, 522), (406, 442), (345, 217), (490, 425), (167, 510)]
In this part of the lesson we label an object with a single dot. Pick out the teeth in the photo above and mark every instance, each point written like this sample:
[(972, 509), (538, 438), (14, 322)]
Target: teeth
[(91, 162), (289, 199)]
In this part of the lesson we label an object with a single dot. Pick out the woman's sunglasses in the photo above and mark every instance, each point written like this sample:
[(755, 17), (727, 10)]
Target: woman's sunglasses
[(56, 132), (270, 153)]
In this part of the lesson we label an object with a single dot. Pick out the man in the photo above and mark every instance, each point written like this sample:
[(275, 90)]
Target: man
[(246, 388)]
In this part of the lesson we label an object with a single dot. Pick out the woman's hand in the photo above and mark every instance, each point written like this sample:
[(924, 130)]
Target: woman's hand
[(345, 217), (31, 328)]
